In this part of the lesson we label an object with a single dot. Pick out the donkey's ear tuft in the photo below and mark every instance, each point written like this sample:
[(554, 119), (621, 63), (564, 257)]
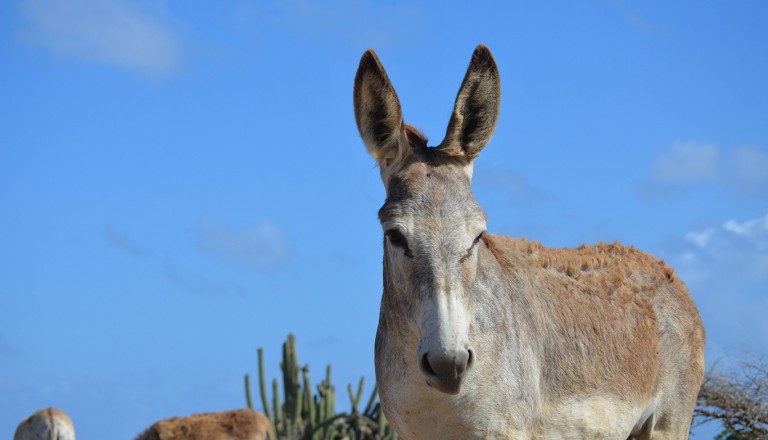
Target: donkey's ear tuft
[(377, 110), (477, 107)]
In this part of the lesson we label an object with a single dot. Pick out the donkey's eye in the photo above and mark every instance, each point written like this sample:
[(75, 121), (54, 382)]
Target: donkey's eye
[(396, 238), (471, 248)]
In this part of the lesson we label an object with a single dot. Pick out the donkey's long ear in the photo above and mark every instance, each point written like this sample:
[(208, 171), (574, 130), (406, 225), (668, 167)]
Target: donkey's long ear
[(377, 111), (477, 107)]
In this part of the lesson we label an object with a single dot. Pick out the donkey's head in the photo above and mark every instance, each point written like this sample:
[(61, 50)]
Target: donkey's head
[(432, 223)]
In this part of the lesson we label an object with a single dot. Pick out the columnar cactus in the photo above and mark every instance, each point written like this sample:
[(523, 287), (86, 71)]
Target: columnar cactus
[(305, 415)]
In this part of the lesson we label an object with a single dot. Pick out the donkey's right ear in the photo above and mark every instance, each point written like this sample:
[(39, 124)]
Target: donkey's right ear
[(477, 107), (377, 112)]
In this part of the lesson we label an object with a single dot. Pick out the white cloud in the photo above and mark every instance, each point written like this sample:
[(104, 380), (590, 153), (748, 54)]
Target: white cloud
[(739, 246), (700, 238), (686, 165), (260, 248), (115, 32), (687, 162), (726, 269), (755, 228)]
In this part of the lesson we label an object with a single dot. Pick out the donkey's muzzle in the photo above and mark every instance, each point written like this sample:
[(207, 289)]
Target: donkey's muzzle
[(445, 371)]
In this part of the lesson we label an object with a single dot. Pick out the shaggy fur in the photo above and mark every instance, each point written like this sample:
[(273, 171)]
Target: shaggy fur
[(46, 424), (226, 425), (484, 336)]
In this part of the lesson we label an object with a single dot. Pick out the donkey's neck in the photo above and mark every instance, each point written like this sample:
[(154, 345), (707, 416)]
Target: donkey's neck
[(503, 321)]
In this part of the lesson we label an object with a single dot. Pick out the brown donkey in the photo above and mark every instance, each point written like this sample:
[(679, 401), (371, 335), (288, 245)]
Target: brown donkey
[(242, 424), (485, 336)]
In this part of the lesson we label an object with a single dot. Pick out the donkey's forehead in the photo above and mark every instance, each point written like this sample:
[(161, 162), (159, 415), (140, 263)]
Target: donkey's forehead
[(427, 179), (430, 186)]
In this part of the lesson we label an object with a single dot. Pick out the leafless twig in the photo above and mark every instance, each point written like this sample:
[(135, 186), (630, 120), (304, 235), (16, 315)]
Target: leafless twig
[(737, 399)]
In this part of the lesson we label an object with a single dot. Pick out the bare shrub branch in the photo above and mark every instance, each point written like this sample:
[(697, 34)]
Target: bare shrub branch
[(737, 399)]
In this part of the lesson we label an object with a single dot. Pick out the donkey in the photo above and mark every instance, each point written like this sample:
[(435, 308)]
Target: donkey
[(46, 424), (242, 424), (485, 336)]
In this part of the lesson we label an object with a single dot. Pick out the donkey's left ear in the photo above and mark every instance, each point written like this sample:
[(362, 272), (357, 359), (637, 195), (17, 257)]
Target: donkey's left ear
[(477, 107), (377, 112)]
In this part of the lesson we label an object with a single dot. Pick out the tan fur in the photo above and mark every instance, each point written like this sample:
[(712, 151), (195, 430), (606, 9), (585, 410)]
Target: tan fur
[(604, 290), (226, 425), (505, 338), (46, 424)]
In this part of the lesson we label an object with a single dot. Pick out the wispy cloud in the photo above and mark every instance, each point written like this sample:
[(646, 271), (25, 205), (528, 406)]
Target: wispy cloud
[(726, 268), (511, 183), (125, 244), (688, 165), (115, 32), (196, 284), (365, 21), (755, 228), (738, 247), (700, 238), (260, 248), (634, 18), (746, 171), (684, 164)]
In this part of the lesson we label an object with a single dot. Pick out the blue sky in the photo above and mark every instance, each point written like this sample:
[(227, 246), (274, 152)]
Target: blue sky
[(182, 183)]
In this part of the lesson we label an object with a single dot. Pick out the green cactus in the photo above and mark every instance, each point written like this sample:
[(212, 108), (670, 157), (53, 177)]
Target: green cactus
[(276, 404), (262, 384), (305, 415), (248, 401)]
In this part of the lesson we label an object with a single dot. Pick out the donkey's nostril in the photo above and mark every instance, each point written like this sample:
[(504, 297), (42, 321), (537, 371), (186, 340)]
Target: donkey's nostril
[(426, 367), (471, 359)]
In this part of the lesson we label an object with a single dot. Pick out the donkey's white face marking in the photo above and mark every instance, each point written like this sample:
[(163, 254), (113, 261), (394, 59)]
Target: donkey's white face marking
[(432, 227)]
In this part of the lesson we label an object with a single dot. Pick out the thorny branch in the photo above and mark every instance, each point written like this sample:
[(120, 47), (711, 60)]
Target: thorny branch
[(737, 399)]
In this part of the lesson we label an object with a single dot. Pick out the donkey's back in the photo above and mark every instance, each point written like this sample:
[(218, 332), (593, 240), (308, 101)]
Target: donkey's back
[(242, 424)]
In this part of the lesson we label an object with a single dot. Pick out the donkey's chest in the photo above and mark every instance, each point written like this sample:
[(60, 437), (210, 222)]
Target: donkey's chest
[(500, 410), (477, 412), (475, 417), (416, 417), (594, 417)]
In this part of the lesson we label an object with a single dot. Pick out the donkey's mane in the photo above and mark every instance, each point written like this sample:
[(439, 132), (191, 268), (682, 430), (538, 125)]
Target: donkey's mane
[(616, 262), (415, 137), (437, 155)]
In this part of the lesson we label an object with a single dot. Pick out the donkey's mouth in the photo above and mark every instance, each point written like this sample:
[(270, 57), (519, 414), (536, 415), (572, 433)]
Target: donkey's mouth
[(445, 388)]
